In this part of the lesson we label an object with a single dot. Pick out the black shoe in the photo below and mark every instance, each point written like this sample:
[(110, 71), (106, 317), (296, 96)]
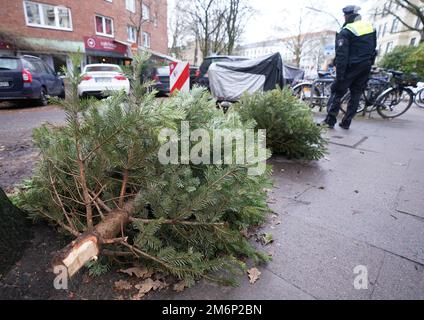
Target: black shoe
[(324, 124), (343, 126)]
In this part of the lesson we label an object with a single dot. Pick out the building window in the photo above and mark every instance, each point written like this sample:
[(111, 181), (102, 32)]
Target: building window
[(384, 30), (47, 16), (132, 34), (104, 26), (146, 39), (130, 5), (395, 25), (413, 41), (389, 47), (145, 12)]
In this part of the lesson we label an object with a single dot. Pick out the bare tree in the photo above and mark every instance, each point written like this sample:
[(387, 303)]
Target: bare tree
[(215, 25), (332, 17), (179, 30), (298, 41), (414, 7), (207, 17), (236, 17)]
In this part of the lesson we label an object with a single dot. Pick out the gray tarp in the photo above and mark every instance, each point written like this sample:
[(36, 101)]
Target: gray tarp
[(230, 85), (291, 74), (229, 80)]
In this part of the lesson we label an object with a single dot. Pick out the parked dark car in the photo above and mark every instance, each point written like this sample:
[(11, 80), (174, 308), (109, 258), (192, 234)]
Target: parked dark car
[(201, 78), (28, 78), (194, 71), (160, 76)]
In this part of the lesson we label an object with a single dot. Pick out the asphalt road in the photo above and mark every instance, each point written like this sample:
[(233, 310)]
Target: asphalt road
[(360, 209), (17, 153)]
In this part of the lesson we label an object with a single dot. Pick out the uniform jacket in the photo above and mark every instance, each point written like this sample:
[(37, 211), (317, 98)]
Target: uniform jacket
[(356, 43)]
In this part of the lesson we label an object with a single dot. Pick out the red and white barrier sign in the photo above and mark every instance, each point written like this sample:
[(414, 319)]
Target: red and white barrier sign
[(180, 76)]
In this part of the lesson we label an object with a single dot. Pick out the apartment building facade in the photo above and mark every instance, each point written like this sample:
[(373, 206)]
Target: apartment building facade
[(390, 31), (104, 31)]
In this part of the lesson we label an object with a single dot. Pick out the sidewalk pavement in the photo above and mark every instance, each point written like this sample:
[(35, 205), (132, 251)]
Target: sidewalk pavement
[(363, 205)]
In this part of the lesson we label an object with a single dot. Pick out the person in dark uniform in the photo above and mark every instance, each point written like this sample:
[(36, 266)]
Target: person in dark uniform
[(355, 54)]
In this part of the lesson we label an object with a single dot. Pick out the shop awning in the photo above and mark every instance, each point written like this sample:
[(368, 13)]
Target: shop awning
[(159, 55), (104, 47)]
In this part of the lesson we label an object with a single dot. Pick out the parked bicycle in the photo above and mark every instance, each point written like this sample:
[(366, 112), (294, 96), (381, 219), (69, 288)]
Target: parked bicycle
[(419, 95), (397, 99), (317, 92), (389, 94)]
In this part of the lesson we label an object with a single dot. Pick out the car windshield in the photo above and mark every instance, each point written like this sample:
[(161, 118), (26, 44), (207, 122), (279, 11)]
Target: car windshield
[(163, 71), (103, 69), (9, 64)]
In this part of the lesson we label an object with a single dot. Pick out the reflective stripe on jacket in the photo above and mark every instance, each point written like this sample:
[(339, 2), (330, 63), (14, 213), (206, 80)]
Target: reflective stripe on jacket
[(360, 28)]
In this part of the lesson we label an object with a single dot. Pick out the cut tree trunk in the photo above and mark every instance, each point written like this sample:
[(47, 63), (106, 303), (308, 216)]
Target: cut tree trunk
[(87, 247), (14, 233)]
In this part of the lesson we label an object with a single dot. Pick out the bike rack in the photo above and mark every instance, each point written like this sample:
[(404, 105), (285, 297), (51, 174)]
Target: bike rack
[(322, 97)]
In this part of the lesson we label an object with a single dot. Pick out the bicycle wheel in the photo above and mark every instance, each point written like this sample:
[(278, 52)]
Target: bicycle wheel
[(419, 98), (345, 102), (394, 102)]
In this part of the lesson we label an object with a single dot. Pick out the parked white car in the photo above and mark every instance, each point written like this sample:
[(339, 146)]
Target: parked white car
[(100, 78)]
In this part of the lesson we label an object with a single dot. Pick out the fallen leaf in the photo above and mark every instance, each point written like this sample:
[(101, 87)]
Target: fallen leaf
[(254, 275), (71, 295), (149, 284), (266, 238), (180, 286), (122, 285), (138, 296), (138, 272), (146, 286), (120, 297)]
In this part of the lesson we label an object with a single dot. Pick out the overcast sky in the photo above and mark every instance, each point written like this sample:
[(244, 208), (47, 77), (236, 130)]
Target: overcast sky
[(274, 15)]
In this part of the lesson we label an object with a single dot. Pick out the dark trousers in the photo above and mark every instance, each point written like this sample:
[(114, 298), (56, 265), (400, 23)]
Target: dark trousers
[(356, 81)]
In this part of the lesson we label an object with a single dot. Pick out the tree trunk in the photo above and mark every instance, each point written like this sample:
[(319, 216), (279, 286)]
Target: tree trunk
[(14, 233), (88, 246)]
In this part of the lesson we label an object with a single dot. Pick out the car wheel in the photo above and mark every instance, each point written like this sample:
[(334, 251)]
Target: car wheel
[(62, 93), (43, 101)]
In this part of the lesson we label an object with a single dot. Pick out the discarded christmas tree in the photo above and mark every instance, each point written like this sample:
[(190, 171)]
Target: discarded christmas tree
[(290, 128), (100, 180)]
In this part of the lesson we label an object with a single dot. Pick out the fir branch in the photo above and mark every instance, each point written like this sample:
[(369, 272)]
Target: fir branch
[(180, 222), (65, 213)]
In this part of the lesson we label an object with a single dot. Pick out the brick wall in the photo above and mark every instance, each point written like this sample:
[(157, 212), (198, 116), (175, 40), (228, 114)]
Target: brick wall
[(157, 26), (12, 18)]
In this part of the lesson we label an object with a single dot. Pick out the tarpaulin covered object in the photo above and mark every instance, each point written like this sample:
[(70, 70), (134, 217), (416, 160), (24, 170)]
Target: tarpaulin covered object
[(291, 74), (230, 80)]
